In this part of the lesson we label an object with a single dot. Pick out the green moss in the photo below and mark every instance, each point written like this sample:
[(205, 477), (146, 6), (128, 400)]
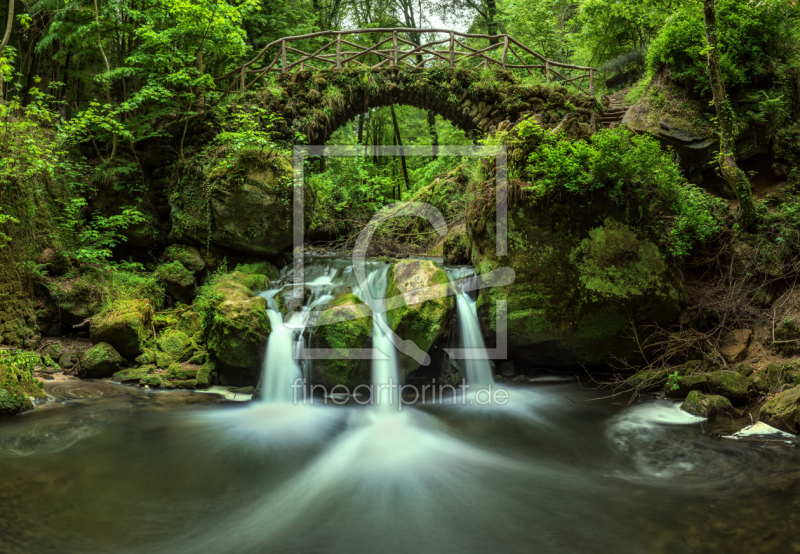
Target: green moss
[(255, 282), (188, 256), (124, 324), (100, 361), (703, 405), (419, 316), (259, 268), (345, 324), (179, 373), (174, 273), (205, 375), (176, 345), (133, 375), (17, 383), (729, 384)]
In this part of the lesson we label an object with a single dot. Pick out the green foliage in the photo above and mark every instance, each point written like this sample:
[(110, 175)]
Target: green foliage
[(626, 167), (755, 38), (96, 239), (673, 382)]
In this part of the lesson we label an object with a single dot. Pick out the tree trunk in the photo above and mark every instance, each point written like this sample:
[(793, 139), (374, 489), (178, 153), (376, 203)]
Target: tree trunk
[(400, 144), (734, 176), (361, 129), (491, 19), (433, 132)]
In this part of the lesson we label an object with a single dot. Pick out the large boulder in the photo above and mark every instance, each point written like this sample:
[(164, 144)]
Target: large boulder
[(238, 331), (18, 386), (729, 384), (178, 281), (188, 256), (248, 207), (423, 301), (783, 410), (581, 278), (125, 325), (706, 405), (681, 125), (99, 361), (346, 323)]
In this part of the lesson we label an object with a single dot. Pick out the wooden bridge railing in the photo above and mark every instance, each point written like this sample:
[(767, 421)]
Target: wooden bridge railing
[(392, 50)]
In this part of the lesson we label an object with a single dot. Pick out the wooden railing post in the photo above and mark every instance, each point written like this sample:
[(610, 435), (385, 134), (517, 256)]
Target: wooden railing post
[(505, 51), (591, 82), (242, 78), (283, 55), (394, 47), (452, 49), (339, 51), (547, 70)]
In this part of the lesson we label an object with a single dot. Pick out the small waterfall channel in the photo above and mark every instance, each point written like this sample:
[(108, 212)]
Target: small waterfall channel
[(284, 371)]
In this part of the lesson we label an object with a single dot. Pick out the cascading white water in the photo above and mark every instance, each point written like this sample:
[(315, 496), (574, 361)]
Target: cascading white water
[(385, 374), (478, 371)]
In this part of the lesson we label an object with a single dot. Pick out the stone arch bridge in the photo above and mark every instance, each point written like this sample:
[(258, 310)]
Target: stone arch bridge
[(340, 75)]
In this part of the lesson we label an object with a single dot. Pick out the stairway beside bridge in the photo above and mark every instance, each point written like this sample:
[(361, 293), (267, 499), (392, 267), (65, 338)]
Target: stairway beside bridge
[(616, 110)]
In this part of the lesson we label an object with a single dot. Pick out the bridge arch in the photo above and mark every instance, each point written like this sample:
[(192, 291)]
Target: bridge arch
[(314, 103)]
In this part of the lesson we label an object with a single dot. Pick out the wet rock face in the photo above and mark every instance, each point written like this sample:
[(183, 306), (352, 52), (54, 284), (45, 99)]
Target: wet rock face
[(424, 302), (783, 410), (345, 324), (706, 405), (17, 384), (581, 277)]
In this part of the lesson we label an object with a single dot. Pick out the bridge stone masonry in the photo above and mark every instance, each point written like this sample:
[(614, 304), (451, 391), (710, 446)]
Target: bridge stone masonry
[(315, 103), (325, 79)]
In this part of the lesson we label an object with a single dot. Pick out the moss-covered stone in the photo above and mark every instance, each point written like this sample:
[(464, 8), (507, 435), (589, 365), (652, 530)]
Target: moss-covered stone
[(706, 405), (238, 331), (581, 277), (18, 386), (53, 350), (260, 268), (687, 384), (248, 203), (729, 384), (647, 380), (175, 344), (418, 305), (254, 281), (125, 325), (205, 375), (177, 280), (100, 361), (783, 410), (188, 256), (346, 323), (176, 372), (133, 375)]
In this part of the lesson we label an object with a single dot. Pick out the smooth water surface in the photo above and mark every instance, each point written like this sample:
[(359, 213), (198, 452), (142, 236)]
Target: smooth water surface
[(107, 468)]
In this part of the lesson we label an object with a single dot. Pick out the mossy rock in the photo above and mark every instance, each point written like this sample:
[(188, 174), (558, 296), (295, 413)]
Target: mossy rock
[(188, 256), (254, 281), (582, 276), (133, 375), (421, 305), (177, 372), (250, 203), (647, 380), (260, 268), (190, 322), (706, 405), (176, 345), (17, 384), (78, 298), (346, 323), (687, 384), (205, 375), (238, 334), (783, 411), (729, 384), (98, 362), (157, 381), (147, 357), (54, 350), (125, 325), (177, 280)]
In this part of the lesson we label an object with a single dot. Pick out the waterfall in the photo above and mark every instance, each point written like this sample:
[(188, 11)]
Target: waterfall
[(280, 372), (385, 374), (478, 371)]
